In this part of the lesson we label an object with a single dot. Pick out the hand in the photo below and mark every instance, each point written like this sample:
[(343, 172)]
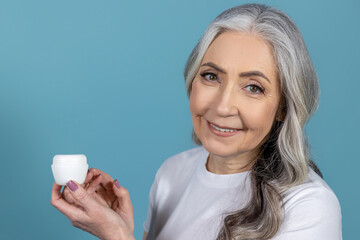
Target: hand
[(95, 185), (91, 183), (100, 185), (103, 209)]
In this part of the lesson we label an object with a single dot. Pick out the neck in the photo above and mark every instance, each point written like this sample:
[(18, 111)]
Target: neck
[(229, 165)]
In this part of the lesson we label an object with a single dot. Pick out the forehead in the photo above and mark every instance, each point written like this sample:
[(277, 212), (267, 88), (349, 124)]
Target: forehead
[(241, 52)]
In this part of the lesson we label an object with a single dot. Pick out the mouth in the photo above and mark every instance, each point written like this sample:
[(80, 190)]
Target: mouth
[(222, 131)]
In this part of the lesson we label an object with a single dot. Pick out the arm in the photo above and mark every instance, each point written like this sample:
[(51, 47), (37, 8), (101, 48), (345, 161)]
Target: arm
[(145, 235)]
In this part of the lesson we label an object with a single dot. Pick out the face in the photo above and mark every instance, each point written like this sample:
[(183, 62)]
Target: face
[(235, 95)]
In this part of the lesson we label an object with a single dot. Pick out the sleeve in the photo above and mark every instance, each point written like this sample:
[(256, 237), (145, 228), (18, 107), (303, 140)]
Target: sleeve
[(151, 208), (313, 215)]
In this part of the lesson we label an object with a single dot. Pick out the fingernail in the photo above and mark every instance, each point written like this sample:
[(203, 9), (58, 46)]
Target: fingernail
[(117, 184), (71, 185)]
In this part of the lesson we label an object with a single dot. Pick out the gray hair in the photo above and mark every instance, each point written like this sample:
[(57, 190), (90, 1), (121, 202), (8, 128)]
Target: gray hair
[(285, 161)]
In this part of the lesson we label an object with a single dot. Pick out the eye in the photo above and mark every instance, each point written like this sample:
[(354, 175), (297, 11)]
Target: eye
[(253, 88), (209, 76)]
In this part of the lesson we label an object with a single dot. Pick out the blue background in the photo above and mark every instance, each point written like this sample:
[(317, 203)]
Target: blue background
[(105, 78)]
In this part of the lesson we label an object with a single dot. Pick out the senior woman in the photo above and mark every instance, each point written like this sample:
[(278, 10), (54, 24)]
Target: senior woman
[(252, 87)]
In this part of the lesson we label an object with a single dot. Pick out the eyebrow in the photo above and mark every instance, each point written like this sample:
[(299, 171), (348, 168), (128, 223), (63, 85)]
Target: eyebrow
[(254, 73), (213, 65), (243, 74)]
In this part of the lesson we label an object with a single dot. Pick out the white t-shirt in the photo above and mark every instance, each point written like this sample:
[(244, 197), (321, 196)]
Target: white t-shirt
[(188, 202)]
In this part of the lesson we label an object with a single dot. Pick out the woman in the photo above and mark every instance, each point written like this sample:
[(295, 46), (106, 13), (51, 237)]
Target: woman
[(252, 87)]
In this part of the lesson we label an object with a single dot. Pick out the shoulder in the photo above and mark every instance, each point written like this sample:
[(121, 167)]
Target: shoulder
[(186, 159), (314, 190), (179, 168), (312, 210), (174, 175)]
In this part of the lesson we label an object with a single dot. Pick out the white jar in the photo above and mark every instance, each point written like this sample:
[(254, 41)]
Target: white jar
[(69, 167)]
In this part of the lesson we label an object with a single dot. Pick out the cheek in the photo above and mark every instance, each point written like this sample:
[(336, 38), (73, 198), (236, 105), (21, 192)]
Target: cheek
[(259, 118), (195, 108), (199, 100), (200, 103)]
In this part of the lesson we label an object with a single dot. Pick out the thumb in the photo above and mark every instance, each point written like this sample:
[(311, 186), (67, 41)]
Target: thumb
[(81, 197)]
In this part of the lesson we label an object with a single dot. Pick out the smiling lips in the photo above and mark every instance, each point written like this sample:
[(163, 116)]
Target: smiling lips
[(222, 131)]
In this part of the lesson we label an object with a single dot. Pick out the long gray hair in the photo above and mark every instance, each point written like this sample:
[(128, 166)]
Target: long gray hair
[(284, 160)]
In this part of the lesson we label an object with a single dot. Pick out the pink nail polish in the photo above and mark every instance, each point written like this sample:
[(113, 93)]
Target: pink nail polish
[(72, 185), (117, 184)]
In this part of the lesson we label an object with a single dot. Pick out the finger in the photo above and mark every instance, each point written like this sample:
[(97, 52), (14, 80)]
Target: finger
[(108, 195), (55, 192), (80, 195), (64, 207), (124, 208), (94, 184), (123, 197), (106, 181), (102, 199), (66, 195), (89, 176)]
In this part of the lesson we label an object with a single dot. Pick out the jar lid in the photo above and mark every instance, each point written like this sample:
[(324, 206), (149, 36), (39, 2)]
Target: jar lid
[(69, 159)]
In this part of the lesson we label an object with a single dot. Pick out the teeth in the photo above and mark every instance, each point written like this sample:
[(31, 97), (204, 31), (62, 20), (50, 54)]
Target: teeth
[(222, 129)]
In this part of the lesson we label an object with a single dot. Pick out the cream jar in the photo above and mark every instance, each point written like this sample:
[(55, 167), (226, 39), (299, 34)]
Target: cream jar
[(69, 167)]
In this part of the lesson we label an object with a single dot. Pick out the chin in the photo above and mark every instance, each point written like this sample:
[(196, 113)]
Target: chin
[(221, 149)]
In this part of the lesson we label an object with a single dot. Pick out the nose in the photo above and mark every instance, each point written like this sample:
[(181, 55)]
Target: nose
[(226, 102)]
